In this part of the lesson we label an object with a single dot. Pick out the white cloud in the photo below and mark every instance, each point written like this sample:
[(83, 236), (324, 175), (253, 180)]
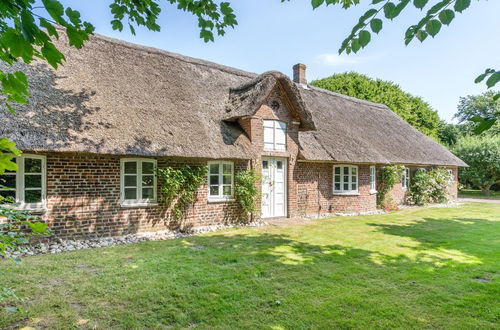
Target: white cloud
[(332, 59)]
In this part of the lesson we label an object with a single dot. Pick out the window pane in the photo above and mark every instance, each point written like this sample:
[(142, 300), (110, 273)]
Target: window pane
[(131, 167), (8, 181), (354, 170), (279, 164), (10, 195), (214, 190), (346, 178), (32, 165), (226, 179), (337, 170), (269, 137), (147, 180), (32, 196), (130, 181), (337, 179), (354, 178), (337, 186), (33, 181), (130, 193), (226, 190), (214, 168), (228, 169), (147, 168), (346, 186), (346, 170), (214, 179), (265, 164), (147, 193), (354, 186)]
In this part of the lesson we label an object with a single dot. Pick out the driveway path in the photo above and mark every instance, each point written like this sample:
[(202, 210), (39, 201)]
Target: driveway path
[(479, 200)]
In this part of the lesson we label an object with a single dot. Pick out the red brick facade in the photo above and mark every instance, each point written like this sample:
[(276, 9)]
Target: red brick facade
[(83, 190)]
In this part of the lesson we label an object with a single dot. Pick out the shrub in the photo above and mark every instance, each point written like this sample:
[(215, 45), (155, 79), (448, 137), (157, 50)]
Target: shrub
[(429, 186), (389, 176), (246, 191)]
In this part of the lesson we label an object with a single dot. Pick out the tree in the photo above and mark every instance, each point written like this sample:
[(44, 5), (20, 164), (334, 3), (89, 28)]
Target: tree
[(449, 134), (412, 109), (473, 108), (482, 154)]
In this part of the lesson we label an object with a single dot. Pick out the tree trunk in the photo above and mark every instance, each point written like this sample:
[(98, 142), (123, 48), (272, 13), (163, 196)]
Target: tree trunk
[(486, 190)]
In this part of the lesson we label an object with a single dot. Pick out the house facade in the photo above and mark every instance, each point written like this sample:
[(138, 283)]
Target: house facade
[(95, 130)]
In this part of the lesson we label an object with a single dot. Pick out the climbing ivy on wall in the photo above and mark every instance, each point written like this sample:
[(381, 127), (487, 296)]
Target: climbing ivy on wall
[(178, 186), (389, 176), (246, 190)]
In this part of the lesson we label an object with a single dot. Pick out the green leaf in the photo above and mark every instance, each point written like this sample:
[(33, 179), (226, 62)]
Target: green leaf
[(364, 38), (477, 119), (376, 25), (74, 16), (55, 10), (421, 35), (493, 79), (446, 16), (432, 27), (50, 28), (355, 46), (420, 4), (486, 124), (389, 9), (486, 73), (117, 25), (461, 5), (496, 97), (52, 55), (317, 3), (76, 36), (374, 2)]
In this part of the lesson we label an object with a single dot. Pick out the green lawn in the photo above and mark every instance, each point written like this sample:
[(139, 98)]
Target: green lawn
[(415, 268), (471, 193)]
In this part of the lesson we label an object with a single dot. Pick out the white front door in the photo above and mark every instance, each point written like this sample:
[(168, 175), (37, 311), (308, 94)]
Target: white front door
[(273, 187)]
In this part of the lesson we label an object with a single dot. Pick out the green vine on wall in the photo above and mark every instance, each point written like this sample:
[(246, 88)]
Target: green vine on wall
[(246, 190), (430, 186), (389, 176), (179, 186)]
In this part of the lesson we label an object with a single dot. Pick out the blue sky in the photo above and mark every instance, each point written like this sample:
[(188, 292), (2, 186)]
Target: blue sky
[(273, 36)]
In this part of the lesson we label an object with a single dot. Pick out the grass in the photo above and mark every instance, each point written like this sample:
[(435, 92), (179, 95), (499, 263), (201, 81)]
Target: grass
[(472, 193), (414, 268)]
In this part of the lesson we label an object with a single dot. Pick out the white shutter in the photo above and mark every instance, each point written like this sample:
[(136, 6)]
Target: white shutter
[(269, 134)]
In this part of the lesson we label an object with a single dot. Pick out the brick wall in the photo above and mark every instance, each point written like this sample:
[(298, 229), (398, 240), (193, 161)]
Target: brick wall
[(83, 199)]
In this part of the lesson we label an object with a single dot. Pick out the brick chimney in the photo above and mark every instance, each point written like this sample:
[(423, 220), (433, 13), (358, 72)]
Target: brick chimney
[(299, 73)]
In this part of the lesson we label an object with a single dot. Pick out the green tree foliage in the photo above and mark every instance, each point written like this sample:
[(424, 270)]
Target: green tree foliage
[(412, 109), (246, 191), (482, 154), (449, 134), (479, 112)]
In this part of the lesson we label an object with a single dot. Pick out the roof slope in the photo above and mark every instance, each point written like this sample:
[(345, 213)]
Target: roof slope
[(118, 98), (353, 130), (114, 97)]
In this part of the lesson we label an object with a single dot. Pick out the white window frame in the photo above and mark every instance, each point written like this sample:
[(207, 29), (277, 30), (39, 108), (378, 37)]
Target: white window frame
[(373, 179), (350, 182), (275, 127), (405, 178), (20, 183), (221, 197), (139, 201)]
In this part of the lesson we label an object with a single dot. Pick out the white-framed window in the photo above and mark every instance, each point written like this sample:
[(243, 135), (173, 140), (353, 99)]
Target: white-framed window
[(345, 179), (138, 181), (274, 135), (405, 178), (220, 180), (28, 185), (373, 179)]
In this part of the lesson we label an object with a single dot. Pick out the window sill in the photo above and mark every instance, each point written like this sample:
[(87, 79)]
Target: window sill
[(346, 193), (27, 207), (221, 200), (138, 204), (373, 192)]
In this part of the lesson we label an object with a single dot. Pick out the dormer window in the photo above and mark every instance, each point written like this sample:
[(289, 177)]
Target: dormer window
[(274, 135)]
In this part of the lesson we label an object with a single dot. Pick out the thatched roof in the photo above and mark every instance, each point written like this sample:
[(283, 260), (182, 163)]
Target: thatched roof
[(114, 97)]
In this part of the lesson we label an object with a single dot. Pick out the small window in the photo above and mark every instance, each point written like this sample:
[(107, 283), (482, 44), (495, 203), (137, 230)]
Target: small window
[(405, 179), (373, 179), (274, 135), (220, 180), (27, 186), (345, 179), (138, 181)]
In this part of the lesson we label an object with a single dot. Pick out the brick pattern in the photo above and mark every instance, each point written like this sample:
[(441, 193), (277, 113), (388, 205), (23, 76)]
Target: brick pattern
[(83, 199)]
